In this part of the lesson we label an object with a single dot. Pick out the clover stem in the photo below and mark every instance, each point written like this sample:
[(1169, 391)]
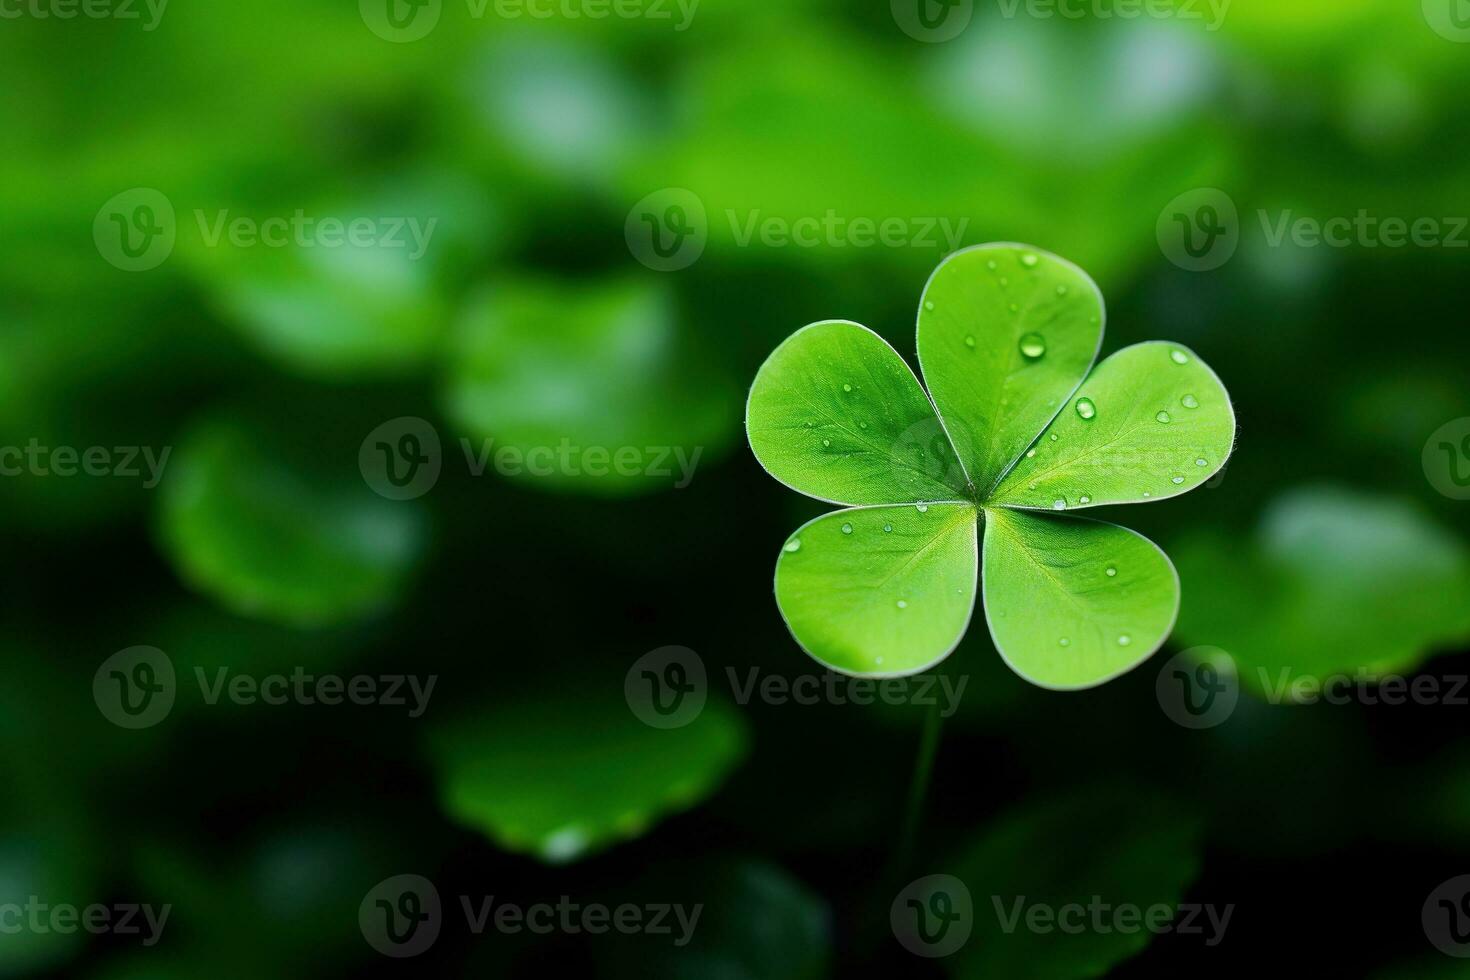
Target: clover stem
[(918, 788)]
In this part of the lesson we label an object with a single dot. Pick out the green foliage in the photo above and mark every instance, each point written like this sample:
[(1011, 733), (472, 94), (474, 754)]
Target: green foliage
[(1334, 582), (598, 775), (1007, 333)]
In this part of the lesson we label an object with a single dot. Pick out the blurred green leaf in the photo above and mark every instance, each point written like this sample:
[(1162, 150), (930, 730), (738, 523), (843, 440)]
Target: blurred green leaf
[(1334, 582), (1110, 844), (595, 388), (563, 774), (254, 517)]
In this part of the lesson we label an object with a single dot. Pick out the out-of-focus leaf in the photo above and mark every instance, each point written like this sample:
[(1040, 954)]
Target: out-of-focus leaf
[(597, 774), (1334, 582), (756, 922), (1112, 845), (594, 388), (278, 525)]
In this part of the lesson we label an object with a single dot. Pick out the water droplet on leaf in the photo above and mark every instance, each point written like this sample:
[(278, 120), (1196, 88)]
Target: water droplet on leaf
[(1033, 346), (792, 546), (1179, 357), (1029, 260), (847, 529), (1086, 408), (1164, 417), (1189, 401)]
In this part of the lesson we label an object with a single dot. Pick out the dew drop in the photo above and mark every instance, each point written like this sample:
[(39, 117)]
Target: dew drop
[(990, 265), (903, 604), (847, 387), (1177, 480), (826, 443), (1146, 494), (847, 529), (1061, 290), (922, 508), (1059, 504), (792, 546), (1164, 417), (1084, 499), (1030, 454), (1112, 571), (929, 305), (878, 660), (1031, 486), (1201, 462), (1189, 401), (887, 528), (1029, 260), (1053, 437), (1086, 408), (1033, 346), (1124, 640), (969, 340), (1179, 357), (862, 425), (1064, 642)]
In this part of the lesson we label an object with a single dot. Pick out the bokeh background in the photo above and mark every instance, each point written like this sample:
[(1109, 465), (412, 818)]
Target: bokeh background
[(546, 152)]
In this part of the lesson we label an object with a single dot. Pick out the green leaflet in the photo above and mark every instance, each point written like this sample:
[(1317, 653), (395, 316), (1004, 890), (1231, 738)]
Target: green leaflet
[(1005, 334), (880, 590), (836, 414), (1073, 602), (1152, 421)]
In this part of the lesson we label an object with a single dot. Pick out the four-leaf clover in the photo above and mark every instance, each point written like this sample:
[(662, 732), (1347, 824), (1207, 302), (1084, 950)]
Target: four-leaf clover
[(1007, 339)]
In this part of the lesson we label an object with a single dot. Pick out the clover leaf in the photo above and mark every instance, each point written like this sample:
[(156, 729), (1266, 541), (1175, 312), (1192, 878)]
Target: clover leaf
[(1007, 338)]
